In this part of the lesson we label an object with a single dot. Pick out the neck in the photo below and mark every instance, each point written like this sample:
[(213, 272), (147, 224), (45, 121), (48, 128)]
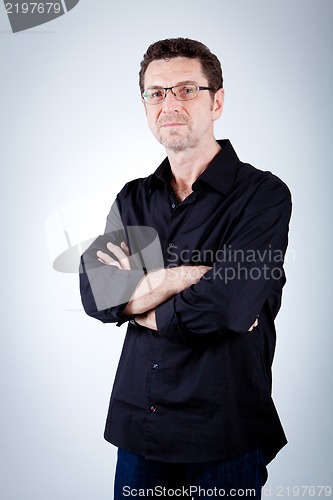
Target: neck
[(187, 165)]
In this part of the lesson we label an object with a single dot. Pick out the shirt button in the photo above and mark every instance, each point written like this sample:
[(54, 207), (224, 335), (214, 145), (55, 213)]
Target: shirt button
[(156, 366), (173, 205), (153, 408)]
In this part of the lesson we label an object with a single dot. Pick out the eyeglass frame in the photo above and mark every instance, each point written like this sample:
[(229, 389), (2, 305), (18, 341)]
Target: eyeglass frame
[(197, 87)]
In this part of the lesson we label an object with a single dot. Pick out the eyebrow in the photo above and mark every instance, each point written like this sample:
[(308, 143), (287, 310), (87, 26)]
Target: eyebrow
[(185, 82)]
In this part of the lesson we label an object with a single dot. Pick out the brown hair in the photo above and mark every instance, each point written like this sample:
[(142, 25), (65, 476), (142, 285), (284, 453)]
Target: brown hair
[(184, 47)]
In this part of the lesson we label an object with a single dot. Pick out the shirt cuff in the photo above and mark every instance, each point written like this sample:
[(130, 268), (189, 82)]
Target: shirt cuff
[(167, 322)]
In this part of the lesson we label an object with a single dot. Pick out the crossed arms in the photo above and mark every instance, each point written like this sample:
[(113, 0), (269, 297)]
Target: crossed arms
[(155, 287), (117, 286)]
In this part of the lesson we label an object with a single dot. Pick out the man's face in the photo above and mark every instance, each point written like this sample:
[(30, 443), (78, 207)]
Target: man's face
[(180, 125)]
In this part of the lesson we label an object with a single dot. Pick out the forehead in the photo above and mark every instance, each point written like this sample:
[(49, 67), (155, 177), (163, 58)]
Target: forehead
[(165, 73)]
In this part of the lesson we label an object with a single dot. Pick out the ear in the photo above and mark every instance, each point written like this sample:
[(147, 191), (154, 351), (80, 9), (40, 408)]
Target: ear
[(144, 105), (217, 107)]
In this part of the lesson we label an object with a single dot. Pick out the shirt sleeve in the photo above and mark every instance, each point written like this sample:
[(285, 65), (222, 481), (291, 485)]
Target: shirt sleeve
[(247, 273), (106, 289)]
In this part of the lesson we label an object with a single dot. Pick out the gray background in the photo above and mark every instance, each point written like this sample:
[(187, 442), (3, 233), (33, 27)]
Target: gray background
[(73, 132)]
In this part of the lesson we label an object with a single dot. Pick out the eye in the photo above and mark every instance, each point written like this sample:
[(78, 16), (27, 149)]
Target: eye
[(154, 93), (187, 89)]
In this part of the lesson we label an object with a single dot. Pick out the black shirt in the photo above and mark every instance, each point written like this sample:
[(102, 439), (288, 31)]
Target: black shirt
[(199, 388)]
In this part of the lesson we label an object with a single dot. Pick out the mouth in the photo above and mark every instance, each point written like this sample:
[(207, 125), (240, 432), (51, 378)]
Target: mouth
[(172, 124)]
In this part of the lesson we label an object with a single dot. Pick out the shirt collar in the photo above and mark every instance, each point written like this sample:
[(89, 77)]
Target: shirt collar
[(220, 173)]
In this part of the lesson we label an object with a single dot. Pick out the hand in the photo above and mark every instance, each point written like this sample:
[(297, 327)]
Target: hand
[(255, 324), (156, 286), (147, 319), (120, 252)]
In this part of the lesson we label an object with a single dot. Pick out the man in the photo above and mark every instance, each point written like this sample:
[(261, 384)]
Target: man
[(192, 258)]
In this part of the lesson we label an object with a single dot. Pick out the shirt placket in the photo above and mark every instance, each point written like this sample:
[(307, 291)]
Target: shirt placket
[(160, 370)]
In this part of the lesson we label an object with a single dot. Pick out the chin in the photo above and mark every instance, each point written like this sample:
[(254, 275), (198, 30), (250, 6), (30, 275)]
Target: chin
[(175, 145), (174, 142)]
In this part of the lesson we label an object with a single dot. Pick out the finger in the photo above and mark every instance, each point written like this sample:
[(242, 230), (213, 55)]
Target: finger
[(255, 324), (106, 259), (114, 264), (116, 250), (120, 254), (125, 248)]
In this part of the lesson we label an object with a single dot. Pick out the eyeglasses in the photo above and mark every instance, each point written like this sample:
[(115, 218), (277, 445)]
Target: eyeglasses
[(181, 92)]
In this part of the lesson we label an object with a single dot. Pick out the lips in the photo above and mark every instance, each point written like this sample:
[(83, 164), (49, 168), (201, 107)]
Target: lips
[(172, 124)]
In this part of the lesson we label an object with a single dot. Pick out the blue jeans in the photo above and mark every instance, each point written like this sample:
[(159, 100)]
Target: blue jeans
[(239, 477)]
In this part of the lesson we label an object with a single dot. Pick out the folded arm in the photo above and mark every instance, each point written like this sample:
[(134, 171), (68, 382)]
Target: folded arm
[(155, 287), (247, 280)]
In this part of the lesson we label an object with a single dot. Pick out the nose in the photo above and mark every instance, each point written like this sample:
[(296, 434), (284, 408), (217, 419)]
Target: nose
[(170, 102)]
